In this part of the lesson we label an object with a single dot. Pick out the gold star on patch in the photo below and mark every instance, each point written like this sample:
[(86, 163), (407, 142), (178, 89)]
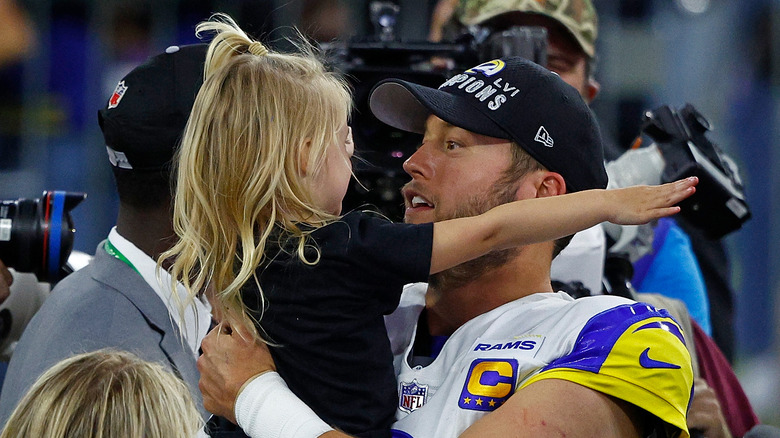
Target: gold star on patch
[(467, 400), (479, 402), (492, 403)]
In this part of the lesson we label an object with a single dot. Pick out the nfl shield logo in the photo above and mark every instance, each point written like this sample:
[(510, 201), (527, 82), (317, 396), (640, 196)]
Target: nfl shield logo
[(412, 396), (119, 91)]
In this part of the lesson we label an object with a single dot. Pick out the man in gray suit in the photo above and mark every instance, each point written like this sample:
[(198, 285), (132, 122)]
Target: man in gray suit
[(118, 301)]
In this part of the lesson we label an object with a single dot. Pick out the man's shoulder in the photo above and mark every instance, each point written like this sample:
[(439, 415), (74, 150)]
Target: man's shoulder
[(556, 309), (105, 279), (82, 289), (90, 305), (554, 317), (634, 352)]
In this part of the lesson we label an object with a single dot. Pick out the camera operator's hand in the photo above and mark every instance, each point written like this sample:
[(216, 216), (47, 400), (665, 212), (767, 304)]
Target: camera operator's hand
[(442, 13), (705, 414), (5, 282)]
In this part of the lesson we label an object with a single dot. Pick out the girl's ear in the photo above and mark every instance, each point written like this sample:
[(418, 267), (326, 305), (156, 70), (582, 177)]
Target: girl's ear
[(303, 157)]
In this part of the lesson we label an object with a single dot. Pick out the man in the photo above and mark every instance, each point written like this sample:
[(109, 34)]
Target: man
[(117, 301), (487, 348), (572, 28), (571, 54), (699, 266)]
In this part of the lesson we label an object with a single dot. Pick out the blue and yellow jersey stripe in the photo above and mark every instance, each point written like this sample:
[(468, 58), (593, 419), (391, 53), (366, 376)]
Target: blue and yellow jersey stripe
[(635, 353)]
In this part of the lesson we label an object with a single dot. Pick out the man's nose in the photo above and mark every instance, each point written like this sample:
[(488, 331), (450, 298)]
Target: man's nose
[(419, 165)]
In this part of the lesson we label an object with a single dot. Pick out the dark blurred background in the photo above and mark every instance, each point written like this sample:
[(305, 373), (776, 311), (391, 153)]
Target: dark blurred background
[(61, 59)]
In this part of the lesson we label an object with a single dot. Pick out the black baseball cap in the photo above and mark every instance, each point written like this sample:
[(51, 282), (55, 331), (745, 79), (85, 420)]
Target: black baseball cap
[(510, 98), (145, 116)]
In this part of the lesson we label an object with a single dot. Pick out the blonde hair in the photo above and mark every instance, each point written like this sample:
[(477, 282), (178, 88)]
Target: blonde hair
[(257, 117), (105, 394)]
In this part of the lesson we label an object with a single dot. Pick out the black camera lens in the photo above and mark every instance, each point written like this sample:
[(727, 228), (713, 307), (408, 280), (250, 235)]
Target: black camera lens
[(36, 235)]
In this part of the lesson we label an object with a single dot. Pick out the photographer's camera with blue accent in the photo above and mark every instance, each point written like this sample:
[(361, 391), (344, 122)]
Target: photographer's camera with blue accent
[(36, 235)]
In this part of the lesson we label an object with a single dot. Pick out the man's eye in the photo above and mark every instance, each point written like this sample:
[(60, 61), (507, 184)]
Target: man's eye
[(560, 65), (450, 145)]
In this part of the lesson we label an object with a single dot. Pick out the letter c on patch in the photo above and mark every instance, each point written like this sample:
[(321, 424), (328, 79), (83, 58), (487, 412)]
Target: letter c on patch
[(497, 379)]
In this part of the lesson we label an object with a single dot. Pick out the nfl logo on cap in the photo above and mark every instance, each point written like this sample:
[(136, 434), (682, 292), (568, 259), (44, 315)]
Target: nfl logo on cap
[(119, 91)]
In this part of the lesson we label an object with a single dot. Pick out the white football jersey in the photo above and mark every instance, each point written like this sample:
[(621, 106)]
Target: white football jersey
[(616, 346)]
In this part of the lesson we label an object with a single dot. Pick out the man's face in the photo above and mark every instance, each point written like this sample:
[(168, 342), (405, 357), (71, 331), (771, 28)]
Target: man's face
[(564, 55), (455, 173)]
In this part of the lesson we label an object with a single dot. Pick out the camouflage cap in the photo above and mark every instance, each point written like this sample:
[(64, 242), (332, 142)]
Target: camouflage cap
[(578, 16)]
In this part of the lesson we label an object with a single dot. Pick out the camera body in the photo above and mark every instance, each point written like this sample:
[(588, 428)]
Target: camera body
[(718, 207), (383, 149), (36, 235)]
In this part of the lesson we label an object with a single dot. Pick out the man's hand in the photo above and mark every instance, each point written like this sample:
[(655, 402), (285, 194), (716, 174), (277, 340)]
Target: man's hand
[(705, 413), (5, 282), (230, 358)]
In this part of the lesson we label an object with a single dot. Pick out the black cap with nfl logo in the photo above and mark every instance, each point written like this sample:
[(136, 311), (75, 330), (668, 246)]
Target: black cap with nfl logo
[(145, 116), (510, 98)]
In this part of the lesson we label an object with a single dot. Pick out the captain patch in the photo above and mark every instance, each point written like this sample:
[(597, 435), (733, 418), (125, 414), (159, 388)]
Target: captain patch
[(489, 383)]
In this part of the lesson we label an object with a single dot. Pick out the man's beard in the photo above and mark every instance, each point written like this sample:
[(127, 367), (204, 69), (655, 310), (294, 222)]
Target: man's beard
[(458, 276)]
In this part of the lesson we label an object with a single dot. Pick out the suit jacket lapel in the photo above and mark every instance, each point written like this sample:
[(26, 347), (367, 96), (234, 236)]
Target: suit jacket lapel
[(111, 271)]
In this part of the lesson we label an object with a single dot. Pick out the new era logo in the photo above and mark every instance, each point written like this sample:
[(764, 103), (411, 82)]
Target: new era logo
[(118, 159), (543, 137)]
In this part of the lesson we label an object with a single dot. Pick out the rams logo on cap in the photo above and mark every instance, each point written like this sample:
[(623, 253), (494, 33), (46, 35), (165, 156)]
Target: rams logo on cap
[(488, 68)]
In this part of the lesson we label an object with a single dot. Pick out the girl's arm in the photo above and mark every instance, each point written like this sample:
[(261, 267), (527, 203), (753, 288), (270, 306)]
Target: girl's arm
[(542, 219)]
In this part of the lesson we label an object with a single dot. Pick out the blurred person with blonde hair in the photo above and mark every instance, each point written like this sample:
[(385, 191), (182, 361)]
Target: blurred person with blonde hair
[(104, 394), (263, 168)]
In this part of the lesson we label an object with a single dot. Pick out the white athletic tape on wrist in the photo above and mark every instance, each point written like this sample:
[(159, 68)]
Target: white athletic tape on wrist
[(266, 408)]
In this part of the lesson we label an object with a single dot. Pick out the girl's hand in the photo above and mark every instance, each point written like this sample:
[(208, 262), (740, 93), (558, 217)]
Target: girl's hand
[(641, 204)]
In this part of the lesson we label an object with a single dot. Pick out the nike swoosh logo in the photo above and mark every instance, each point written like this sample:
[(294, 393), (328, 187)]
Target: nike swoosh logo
[(646, 362)]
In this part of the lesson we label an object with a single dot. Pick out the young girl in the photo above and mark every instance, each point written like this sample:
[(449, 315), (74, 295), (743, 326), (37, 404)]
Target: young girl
[(263, 167)]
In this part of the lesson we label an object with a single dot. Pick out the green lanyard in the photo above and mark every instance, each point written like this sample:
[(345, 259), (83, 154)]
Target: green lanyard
[(112, 250)]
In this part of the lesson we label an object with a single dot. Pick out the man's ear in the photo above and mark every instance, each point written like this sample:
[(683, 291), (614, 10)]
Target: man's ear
[(592, 88), (539, 184), (551, 184)]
